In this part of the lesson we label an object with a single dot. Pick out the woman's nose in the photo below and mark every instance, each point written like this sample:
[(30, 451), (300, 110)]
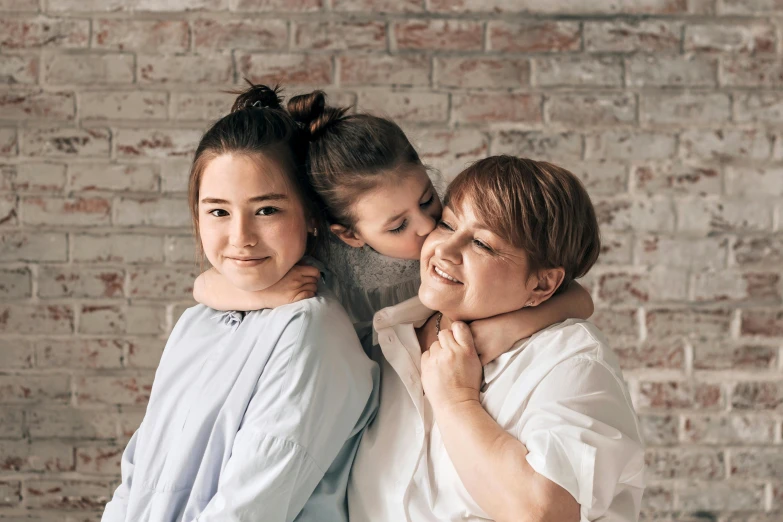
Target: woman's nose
[(449, 250), (242, 233)]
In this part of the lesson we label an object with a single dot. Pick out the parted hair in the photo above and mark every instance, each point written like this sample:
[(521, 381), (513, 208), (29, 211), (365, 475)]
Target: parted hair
[(536, 206)]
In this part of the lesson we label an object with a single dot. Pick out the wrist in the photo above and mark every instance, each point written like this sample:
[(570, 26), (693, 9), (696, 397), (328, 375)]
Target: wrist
[(457, 404)]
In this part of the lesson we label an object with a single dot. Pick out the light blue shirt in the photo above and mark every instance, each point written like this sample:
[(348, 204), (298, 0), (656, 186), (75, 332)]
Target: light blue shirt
[(252, 417)]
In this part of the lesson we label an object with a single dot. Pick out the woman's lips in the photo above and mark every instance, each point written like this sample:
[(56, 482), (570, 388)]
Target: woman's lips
[(443, 277)]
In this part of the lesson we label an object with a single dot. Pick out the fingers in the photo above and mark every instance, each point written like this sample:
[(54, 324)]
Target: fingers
[(303, 295), (463, 335), (307, 271)]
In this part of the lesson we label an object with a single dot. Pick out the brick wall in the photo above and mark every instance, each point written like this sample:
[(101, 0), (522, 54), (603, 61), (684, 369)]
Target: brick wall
[(670, 110)]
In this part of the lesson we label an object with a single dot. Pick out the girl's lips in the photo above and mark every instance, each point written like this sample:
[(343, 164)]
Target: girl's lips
[(247, 261)]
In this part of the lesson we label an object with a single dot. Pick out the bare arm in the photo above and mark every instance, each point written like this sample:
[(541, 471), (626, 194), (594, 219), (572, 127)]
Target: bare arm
[(496, 335), (214, 290)]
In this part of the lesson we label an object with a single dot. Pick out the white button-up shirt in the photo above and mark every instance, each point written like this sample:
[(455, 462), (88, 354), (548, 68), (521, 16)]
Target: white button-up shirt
[(560, 392)]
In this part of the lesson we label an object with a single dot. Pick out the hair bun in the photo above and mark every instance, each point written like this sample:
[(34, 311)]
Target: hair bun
[(311, 111), (259, 96)]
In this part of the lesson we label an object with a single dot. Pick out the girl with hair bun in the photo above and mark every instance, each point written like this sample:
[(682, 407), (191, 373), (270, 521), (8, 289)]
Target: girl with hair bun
[(252, 416), (380, 205)]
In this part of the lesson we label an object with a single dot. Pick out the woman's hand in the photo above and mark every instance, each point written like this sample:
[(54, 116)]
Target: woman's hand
[(450, 369)]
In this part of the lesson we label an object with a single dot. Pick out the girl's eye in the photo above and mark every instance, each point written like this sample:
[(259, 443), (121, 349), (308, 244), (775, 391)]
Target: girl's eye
[(427, 203), (443, 224), (400, 228), (267, 211), (218, 212)]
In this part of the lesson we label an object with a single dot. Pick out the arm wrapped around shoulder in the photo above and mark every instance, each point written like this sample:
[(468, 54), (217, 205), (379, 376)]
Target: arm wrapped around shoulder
[(581, 433)]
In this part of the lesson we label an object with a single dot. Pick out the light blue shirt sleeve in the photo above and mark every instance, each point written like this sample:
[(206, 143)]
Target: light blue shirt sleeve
[(307, 403)]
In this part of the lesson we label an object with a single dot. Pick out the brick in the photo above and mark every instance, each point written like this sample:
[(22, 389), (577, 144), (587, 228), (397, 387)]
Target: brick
[(539, 145), (189, 69), (744, 7), (758, 107), (146, 319), (181, 5), (763, 323), (654, 214), (250, 33), (141, 35), (145, 354), (161, 212), (713, 215), (339, 36), (35, 247), (94, 354), (678, 395), (97, 389), (16, 354), (755, 37), (737, 286), (450, 151), (558, 8), (379, 6), (33, 177), (649, 70), (488, 73), (684, 108), (19, 68), (765, 250), (664, 323), (723, 496), (659, 430), (631, 145), (726, 355), (59, 282), (413, 70), (578, 71), (181, 249), (633, 35), (444, 35), (163, 143), (200, 106), (15, 283), (99, 460), (123, 105), (616, 248), (591, 109), (35, 388), (683, 463), (658, 498), (88, 69), (40, 31), (276, 5), (61, 142), (175, 175), (36, 456), (102, 319), (661, 355), (162, 283), (10, 493), (66, 211), (9, 211), (533, 36), (115, 177), (656, 284), (677, 178), (601, 176), (761, 71), (406, 106), (765, 463), (88, 5), (301, 69), (117, 248), (617, 322), (32, 319), (65, 422), (754, 181), (726, 144), (8, 142), (27, 105), (79, 495), (11, 421), (757, 396), (19, 5)]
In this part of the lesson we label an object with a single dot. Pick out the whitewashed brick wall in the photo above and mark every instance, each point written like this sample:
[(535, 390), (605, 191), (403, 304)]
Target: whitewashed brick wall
[(670, 110)]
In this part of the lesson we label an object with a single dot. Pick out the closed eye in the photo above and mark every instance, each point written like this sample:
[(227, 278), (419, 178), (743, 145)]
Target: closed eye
[(482, 245), (425, 204), (443, 224), (400, 228)]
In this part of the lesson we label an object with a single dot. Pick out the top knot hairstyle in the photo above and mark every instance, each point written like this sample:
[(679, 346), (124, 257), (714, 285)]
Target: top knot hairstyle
[(258, 125), (349, 154)]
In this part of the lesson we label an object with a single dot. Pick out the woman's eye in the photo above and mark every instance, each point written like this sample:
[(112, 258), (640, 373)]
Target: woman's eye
[(443, 224), (481, 245), (218, 212), (400, 228), (425, 204), (267, 211)]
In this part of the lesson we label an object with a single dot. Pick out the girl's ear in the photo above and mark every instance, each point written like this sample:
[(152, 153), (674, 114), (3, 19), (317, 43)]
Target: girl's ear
[(348, 236)]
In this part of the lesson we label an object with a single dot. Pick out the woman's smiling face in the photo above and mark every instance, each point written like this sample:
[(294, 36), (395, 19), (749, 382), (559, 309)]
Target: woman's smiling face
[(468, 272)]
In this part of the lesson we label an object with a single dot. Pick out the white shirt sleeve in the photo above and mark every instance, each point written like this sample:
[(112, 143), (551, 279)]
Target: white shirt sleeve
[(581, 433), (117, 507)]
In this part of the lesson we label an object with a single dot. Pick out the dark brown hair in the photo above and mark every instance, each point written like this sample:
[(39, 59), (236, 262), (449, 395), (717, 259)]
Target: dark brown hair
[(349, 154), (258, 125), (536, 206)]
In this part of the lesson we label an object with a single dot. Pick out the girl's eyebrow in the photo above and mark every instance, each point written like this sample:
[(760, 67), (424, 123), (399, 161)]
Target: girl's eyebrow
[(254, 199)]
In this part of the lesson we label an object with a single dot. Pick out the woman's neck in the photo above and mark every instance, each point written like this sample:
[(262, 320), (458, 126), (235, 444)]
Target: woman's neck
[(428, 332)]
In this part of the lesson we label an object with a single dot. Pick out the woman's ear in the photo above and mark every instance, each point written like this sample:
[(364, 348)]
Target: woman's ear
[(348, 236), (549, 281)]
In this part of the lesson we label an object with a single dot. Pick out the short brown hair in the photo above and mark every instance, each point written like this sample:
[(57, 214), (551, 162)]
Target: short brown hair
[(536, 206)]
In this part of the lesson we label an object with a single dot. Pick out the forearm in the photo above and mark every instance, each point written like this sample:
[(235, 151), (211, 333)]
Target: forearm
[(213, 290), (493, 467)]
